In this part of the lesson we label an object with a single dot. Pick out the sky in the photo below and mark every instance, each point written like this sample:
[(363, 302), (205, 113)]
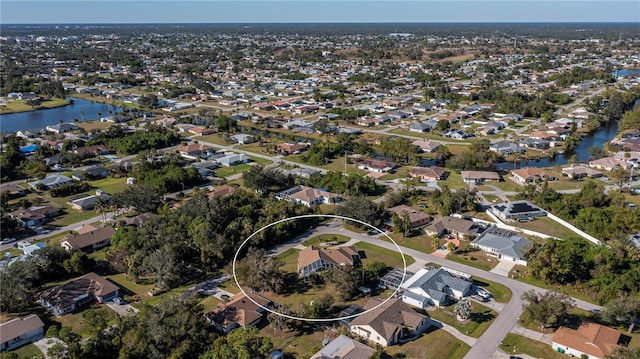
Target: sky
[(323, 11)]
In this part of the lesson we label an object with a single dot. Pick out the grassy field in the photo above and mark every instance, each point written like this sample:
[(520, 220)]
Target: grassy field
[(91, 126), (111, 185), (521, 273), (297, 344), (389, 257), (290, 259), (21, 106), (481, 318), (317, 240), (547, 226), (482, 261), (516, 344), (453, 181), (215, 138), (72, 216), (434, 344), (260, 161), (209, 303), (78, 324), (28, 351), (130, 286), (223, 172), (420, 243)]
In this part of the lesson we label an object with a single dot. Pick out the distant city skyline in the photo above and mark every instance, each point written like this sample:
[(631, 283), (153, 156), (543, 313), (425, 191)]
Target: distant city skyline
[(314, 11)]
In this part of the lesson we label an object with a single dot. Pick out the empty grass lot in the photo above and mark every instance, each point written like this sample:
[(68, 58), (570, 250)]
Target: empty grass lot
[(323, 238), (476, 259), (28, 351), (21, 106), (389, 257), (547, 226)]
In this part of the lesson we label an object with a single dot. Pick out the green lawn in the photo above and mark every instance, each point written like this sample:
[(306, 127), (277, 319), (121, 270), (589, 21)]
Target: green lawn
[(215, 139), (390, 257), (476, 259), (491, 197), (28, 351), (78, 324), (521, 273), (434, 344), (133, 288), (547, 226), (209, 303), (260, 161), (453, 181), (481, 319), (296, 344), (501, 294), (420, 243), (21, 106), (223, 172), (323, 238), (335, 164), (516, 344), (72, 216), (290, 259), (110, 185)]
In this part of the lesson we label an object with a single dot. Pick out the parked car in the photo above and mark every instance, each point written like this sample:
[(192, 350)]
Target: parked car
[(119, 300), (477, 297), (483, 293), (8, 240), (225, 297)]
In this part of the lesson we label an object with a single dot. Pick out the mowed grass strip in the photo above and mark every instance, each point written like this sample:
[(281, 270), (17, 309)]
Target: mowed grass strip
[(434, 344), (516, 344), (481, 319), (390, 257)]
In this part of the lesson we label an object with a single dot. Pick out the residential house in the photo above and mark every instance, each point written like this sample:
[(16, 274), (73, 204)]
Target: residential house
[(532, 174), (298, 171), (97, 172), (291, 148), (35, 216), (72, 295), (205, 168), (394, 278), (503, 244), (426, 174), (534, 143), (378, 165), (240, 311), (307, 196), (459, 227), (91, 151), (61, 128), (193, 150), (313, 259), (94, 239), (416, 218), (222, 191), (433, 287), (420, 127), (14, 190), (19, 331), (389, 323), (88, 202), (243, 138), (590, 340), (427, 146), (610, 163), (232, 159), (49, 182), (479, 176), (581, 171), (139, 220), (516, 209), (506, 148), (344, 347)]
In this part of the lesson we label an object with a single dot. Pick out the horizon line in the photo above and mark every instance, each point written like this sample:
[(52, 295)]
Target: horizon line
[(318, 22)]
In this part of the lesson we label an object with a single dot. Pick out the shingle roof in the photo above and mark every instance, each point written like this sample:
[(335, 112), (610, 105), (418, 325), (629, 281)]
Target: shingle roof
[(63, 295), (504, 242), (458, 225), (344, 347), (389, 317), (590, 338), (239, 310), (433, 282), (335, 255), (87, 239), (19, 326)]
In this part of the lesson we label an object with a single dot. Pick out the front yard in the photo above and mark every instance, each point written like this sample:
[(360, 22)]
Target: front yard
[(481, 319), (476, 259)]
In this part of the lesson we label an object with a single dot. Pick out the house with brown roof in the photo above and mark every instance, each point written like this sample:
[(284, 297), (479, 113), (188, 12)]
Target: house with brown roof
[(291, 148), (91, 151), (610, 163), (20, 331), (458, 227), (72, 295), (426, 174), (531, 174), (308, 196), (389, 323), (426, 145), (378, 165), (344, 347), (581, 171), (35, 216), (479, 176), (416, 218), (193, 149), (313, 259), (201, 131), (94, 239), (222, 191), (590, 340), (14, 190), (238, 312)]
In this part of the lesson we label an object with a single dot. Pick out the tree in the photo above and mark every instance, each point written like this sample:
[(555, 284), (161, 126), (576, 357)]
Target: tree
[(621, 352), (401, 223), (362, 209), (597, 152), (18, 285), (240, 343), (624, 309), (79, 263), (547, 308), (463, 310), (620, 176)]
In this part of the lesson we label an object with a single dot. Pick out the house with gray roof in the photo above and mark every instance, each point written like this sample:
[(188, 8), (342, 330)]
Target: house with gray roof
[(344, 347), (503, 244), (20, 331), (433, 287), (517, 209), (506, 148), (51, 182)]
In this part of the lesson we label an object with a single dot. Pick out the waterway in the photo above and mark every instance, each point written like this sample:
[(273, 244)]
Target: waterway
[(35, 120), (603, 134)]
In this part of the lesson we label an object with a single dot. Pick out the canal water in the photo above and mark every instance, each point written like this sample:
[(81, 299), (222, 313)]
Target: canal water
[(604, 134), (34, 120)]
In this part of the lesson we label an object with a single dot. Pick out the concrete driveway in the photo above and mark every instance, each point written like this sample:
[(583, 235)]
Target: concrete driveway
[(122, 309), (503, 268), (45, 343)]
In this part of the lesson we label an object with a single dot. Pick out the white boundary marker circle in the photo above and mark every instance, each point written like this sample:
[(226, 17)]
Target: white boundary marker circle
[(235, 258)]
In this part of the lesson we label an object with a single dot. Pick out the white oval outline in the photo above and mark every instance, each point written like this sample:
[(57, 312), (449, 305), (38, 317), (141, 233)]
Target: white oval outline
[(235, 258)]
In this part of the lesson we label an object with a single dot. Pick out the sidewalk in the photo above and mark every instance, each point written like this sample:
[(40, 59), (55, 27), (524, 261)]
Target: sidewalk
[(453, 331), (531, 334)]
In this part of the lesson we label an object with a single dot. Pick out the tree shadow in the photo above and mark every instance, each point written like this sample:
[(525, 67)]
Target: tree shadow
[(482, 317)]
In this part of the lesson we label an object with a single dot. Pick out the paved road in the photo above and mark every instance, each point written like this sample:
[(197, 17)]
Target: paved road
[(507, 318)]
